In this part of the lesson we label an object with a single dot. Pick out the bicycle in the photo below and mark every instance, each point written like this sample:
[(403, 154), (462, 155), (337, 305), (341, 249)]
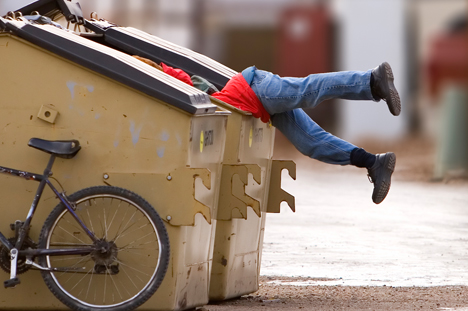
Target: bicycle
[(101, 248)]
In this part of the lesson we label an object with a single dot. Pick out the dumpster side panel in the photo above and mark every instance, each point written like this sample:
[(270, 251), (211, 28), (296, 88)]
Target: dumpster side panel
[(186, 283), (239, 242), (191, 275)]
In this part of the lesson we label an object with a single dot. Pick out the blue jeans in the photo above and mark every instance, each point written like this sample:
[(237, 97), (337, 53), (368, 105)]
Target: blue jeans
[(283, 99)]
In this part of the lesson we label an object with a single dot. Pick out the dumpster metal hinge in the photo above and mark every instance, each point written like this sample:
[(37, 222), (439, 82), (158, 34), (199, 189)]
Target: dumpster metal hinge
[(233, 200), (172, 195), (276, 195), (71, 9)]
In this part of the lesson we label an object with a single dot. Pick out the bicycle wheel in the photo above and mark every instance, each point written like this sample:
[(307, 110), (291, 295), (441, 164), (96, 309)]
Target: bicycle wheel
[(128, 261)]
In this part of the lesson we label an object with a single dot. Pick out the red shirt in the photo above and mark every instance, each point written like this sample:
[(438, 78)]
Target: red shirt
[(237, 93), (177, 73)]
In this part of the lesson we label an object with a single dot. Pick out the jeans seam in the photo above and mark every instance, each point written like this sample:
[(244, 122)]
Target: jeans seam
[(314, 92), (315, 140)]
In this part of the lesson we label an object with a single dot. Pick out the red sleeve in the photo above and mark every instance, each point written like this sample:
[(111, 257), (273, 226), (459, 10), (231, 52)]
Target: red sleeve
[(177, 73), (239, 94)]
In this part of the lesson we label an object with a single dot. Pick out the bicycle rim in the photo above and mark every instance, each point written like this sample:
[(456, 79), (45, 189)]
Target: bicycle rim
[(130, 263)]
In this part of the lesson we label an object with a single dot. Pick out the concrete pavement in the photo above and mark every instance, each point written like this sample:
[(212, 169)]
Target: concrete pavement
[(417, 236)]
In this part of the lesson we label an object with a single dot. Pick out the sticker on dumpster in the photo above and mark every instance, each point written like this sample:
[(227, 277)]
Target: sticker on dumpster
[(206, 139), (256, 136), (202, 141)]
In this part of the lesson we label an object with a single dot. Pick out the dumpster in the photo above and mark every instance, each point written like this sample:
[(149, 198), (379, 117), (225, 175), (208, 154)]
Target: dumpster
[(250, 182), (139, 129)]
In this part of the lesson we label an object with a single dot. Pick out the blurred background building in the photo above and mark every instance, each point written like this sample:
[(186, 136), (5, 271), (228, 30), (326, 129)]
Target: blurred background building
[(298, 37)]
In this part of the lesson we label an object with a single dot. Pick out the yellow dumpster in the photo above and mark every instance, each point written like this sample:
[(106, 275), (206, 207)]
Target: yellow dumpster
[(250, 182), (139, 129)]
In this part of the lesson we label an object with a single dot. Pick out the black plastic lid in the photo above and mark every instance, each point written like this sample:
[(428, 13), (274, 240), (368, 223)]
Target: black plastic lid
[(113, 64), (122, 39)]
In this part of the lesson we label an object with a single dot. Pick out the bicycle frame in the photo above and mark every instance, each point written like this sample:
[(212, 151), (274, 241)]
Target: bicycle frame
[(24, 230)]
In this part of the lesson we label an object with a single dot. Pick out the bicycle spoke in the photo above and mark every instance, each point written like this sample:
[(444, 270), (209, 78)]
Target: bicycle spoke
[(105, 286), (90, 221), (80, 279), (128, 276), (70, 234), (124, 266), (89, 286), (125, 287), (73, 223), (105, 221), (139, 228), (115, 285), (127, 247), (125, 226), (115, 213), (135, 253), (135, 241), (131, 268), (120, 225), (139, 278)]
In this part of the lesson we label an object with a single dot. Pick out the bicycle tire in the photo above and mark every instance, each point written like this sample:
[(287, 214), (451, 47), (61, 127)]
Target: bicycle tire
[(126, 274)]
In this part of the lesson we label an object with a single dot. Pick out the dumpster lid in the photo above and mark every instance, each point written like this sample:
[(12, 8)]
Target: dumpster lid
[(113, 64), (138, 42)]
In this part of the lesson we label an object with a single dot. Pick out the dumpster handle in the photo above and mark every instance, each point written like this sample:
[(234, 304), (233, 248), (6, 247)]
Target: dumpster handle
[(233, 200), (276, 195)]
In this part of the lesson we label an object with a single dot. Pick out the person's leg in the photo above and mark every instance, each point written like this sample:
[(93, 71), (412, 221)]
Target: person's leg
[(311, 140), (279, 94)]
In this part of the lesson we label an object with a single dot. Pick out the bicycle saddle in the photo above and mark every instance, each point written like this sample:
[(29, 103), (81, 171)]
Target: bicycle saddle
[(66, 149)]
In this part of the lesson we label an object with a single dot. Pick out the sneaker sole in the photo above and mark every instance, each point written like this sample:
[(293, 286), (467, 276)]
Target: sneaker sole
[(381, 194), (393, 101)]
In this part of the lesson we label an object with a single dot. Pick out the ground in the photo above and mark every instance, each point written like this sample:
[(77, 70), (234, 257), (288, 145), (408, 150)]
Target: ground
[(282, 297), (406, 254)]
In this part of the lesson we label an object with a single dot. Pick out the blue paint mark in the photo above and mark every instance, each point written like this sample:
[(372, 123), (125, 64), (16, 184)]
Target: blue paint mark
[(160, 151), (71, 86), (116, 143), (165, 136), (97, 116), (135, 132)]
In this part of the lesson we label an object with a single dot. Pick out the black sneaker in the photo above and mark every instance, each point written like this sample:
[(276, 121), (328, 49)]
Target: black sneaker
[(383, 88), (380, 175)]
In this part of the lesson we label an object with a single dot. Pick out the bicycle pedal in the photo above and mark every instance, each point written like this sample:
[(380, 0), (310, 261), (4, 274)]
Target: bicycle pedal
[(11, 282)]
